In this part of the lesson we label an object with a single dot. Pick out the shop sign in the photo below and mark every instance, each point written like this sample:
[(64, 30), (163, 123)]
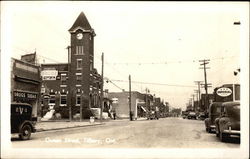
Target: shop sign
[(25, 95), (49, 74), (115, 100), (224, 92)]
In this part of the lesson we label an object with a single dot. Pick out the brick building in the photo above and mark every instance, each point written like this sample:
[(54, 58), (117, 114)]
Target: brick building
[(25, 84), (66, 86)]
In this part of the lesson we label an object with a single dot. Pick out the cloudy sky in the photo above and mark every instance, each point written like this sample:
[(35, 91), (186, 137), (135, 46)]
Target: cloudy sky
[(158, 43)]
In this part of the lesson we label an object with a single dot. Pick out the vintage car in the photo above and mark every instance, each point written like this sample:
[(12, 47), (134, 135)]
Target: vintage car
[(202, 116), (22, 122), (228, 123), (152, 115), (213, 113), (191, 115)]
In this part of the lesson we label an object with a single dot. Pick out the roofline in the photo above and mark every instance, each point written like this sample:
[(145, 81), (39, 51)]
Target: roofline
[(55, 64)]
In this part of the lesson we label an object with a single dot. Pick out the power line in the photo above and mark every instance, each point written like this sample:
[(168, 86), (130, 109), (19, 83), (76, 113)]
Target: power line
[(166, 62), (174, 85)]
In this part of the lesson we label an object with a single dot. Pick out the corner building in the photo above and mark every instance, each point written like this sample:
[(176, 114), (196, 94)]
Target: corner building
[(67, 86)]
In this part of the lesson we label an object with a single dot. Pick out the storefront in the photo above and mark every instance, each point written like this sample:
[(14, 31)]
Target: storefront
[(25, 84)]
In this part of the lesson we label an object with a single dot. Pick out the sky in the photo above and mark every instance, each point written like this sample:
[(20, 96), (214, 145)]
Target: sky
[(158, 43)]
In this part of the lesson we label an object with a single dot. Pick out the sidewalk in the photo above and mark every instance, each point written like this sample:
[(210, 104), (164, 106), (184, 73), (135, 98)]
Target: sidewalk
[(63, 124), (66, 124)]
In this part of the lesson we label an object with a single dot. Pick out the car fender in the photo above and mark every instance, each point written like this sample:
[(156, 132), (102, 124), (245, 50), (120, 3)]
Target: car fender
[(207, 122), (223, 123), (26, 122)]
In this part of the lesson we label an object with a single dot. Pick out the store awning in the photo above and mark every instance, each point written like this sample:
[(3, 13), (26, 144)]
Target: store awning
[(143, 109)]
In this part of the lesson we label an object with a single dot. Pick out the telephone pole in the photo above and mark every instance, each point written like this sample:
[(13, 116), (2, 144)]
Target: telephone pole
[(102, 103), (130, 112), (198, 92), (204, 63)]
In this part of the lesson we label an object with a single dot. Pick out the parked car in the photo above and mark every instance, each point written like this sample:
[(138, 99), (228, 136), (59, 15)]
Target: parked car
[(152, 115), (184, 114), (22, 122), (202, 116), (191, 115), (228, 123), (213, 113)]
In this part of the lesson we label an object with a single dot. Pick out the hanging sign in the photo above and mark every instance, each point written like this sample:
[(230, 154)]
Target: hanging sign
[(224, 92)]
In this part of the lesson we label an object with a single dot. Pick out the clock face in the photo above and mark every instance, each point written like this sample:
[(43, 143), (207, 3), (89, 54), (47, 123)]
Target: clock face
[(79, 36)]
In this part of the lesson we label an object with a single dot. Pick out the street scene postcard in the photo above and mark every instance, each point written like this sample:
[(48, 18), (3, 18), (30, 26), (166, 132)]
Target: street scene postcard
[(124, 79)]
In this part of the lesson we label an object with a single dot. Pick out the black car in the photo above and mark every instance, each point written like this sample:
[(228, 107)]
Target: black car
[(22, 122), (191, 115), (213, 113)]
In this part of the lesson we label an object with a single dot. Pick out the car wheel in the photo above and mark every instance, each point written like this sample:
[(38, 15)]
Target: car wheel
[(223, 137), (209, 130), (25, 132)]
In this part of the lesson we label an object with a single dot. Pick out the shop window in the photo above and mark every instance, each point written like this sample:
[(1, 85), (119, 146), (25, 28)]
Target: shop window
[(79, 64), (78, 100), (52, 100), (63, 101)]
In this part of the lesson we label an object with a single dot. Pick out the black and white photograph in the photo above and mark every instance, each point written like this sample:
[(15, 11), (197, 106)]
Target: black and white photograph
[(113, 79)]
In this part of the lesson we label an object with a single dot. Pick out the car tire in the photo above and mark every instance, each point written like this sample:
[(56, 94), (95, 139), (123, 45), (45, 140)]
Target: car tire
[(223, 137), (25, 132), (209, 130)]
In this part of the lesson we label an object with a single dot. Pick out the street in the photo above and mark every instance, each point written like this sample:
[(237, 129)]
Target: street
[(162, 133)]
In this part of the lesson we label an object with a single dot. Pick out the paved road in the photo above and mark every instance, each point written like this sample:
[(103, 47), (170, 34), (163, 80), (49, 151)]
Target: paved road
[(163, 133)]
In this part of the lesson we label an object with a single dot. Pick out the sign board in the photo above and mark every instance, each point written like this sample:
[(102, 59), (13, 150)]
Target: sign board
[(49, 74), (224, 92), (115, 100), (25, 95)]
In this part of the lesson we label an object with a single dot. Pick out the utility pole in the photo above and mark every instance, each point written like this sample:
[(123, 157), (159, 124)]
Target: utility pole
[(198, 92), (130, 112), (102, 88), (204, 63)]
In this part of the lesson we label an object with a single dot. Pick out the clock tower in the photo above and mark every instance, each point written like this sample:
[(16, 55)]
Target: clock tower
[(81, 61)]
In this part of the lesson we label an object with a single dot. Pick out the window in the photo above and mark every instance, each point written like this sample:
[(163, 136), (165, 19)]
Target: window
[(78, 100), (79, 64), (63, 78), (52, 100), (78, 76), (63, 100), (79, 50), (91, 65)]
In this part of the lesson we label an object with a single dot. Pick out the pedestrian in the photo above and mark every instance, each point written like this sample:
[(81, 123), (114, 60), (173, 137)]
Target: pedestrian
[(114, 115)]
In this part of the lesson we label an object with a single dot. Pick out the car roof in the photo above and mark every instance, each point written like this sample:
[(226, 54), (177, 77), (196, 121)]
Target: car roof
[(23, 104), (230, 104)]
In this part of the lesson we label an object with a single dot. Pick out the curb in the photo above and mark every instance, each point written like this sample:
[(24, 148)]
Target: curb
[(42, 130)]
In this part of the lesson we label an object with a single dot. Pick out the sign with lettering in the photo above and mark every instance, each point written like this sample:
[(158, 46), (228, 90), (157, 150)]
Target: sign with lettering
[(21, 110), (25, 95), (49, 74), (224, 92)]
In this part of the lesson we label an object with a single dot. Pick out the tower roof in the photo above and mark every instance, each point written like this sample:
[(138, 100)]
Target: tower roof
[(81, 22)]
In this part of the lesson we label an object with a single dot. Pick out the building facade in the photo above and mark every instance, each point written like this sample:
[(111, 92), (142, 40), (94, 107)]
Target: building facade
[(77, 83), (140, 103), (25, 84)]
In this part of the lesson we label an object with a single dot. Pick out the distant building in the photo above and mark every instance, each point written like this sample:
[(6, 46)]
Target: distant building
[(25, 84), (120, 102), (66, 86)]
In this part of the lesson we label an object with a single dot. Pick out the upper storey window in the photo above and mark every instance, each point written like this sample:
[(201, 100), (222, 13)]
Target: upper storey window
[(79, 50), (79, 64)]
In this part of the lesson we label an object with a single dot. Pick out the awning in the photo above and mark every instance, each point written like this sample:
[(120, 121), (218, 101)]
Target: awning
[(143, 109)]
